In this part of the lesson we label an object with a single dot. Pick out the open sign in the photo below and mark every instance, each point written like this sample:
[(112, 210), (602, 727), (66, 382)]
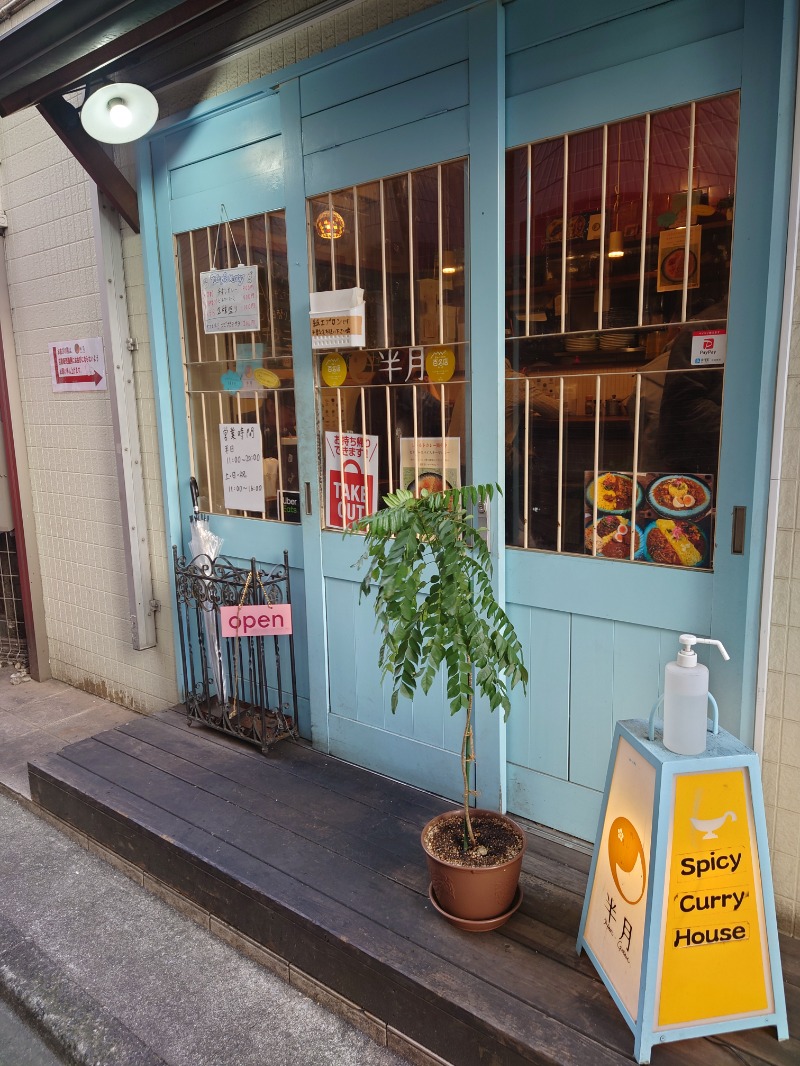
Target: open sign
[(256, 620)]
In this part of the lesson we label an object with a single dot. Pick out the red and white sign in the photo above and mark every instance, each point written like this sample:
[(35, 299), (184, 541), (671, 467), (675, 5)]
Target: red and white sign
[(78, 366), (351, 482), (256, 620), (709, 347)]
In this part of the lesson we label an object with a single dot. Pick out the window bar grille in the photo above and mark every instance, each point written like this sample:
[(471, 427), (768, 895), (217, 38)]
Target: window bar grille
[(389, 424), (270, 299), (341, 456), (383, 272), (596, 461), (442, 409), (332, 242), (528, 228), (280, 451), (197, 317), (564, 208), (689, 192), (645, 195), (560, 504), (212, 266), (222, 419), (526, 467), (416, 437), (364, 452), (601, 271), (410, 187), (441, 254), (635, 472)]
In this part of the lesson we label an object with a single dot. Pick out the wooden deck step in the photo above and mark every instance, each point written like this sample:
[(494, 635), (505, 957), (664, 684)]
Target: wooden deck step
[(320, 862)]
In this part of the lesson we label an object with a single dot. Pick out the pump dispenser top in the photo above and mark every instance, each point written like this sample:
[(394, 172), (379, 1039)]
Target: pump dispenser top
[(686, 698), (687, 656)]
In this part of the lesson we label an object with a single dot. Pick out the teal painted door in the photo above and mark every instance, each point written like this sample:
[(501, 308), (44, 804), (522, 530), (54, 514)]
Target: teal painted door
[(600, 631), (385, 191), (218, 203)]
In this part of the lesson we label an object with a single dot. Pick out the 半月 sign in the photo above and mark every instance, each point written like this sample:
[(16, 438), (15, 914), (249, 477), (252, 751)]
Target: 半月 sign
[(78, 366), (242, 467), (230, 300), (615, 922)]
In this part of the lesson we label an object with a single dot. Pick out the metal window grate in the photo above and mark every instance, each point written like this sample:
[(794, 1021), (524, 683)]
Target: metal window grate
[(13, 644), (401, 239)]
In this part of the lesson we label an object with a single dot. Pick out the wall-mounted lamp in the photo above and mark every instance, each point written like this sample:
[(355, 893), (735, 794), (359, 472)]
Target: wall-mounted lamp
[(329, 225), (118, 112)]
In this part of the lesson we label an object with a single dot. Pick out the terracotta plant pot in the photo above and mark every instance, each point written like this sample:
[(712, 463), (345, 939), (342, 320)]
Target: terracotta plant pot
[(477, 898)]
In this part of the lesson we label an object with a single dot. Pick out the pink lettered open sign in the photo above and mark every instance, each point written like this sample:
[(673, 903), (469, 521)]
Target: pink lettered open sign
[(267, 620)]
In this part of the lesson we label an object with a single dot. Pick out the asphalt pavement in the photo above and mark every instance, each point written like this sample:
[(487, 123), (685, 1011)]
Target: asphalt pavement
[(108, 973), (116, 976)]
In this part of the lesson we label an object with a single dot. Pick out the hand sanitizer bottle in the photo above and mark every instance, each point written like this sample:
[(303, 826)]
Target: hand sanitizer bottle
[(686, 698)]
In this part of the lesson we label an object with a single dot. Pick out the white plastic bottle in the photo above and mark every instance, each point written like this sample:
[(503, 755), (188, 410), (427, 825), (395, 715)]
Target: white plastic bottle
[(686, 698)]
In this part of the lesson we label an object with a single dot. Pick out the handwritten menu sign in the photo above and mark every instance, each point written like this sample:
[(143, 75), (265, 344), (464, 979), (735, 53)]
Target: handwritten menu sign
[(230, 300), (242, 467)]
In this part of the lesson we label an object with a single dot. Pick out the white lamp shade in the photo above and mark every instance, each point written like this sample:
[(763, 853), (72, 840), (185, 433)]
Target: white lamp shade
[(119, 112)]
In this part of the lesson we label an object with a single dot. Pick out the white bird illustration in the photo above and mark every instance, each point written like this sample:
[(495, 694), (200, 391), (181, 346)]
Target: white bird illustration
[(708, 825)]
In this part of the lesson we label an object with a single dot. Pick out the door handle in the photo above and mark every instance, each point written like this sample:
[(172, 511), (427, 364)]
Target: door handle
[(738, 526), (308, 497)]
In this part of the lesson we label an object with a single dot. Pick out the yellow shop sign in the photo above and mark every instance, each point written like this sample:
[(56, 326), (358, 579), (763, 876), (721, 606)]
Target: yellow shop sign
[(714, 957)]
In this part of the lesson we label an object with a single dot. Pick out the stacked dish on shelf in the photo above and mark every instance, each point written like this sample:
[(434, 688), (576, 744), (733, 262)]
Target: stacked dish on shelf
[(585, 342), (615, 342)]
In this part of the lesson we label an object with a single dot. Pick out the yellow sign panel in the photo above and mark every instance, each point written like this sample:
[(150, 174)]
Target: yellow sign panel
[(334, 370), (714, 959), (615, 923), (440, 364)]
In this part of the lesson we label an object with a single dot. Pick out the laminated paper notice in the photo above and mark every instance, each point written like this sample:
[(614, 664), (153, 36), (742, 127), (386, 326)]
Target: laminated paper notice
[(242, 467), (230, 300), (337, 319)]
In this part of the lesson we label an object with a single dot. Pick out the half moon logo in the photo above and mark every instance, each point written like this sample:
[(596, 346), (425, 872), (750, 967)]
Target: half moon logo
[(626, 858)]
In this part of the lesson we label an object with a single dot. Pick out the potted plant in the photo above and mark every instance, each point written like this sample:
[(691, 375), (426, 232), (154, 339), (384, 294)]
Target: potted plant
[(430, 570)]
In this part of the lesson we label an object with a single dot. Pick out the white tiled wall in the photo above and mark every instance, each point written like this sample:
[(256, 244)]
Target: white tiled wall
[(781, 764)]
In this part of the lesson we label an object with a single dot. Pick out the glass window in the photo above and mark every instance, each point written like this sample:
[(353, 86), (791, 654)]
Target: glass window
[(242, 378), (618, 249), (393, 413)]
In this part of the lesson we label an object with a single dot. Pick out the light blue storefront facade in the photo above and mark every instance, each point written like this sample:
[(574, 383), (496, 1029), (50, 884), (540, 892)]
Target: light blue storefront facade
[(472, 81)]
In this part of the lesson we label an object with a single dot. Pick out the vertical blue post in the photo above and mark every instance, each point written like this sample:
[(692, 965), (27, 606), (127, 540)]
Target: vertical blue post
[(487, 318), (303, 358)]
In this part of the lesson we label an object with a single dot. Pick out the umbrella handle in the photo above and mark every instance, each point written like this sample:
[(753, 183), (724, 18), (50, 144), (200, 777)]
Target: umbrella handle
[(194, 488)]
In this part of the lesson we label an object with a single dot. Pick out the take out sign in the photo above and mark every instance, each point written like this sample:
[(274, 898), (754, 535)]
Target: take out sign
[(256, 620)]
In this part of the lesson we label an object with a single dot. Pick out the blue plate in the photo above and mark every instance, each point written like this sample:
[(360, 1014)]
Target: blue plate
[(697, 488), (623, 478), (624, 549), (701, 561)]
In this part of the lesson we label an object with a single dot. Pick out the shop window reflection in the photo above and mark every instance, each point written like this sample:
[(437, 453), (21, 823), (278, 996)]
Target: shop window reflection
[(613, 273)]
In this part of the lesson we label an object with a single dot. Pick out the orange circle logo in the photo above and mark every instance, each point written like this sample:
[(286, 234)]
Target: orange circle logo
[(626, 858)]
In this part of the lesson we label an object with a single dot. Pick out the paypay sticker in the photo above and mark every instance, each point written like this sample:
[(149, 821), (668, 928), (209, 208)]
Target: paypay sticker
[(709, 347)]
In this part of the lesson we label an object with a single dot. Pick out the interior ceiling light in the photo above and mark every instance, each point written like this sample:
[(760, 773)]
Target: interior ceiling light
[(330, 225), (449, 263), (119, 112), (616, 245)]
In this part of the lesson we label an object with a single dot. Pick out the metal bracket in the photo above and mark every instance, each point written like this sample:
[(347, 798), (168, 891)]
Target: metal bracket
[(132, 344)]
